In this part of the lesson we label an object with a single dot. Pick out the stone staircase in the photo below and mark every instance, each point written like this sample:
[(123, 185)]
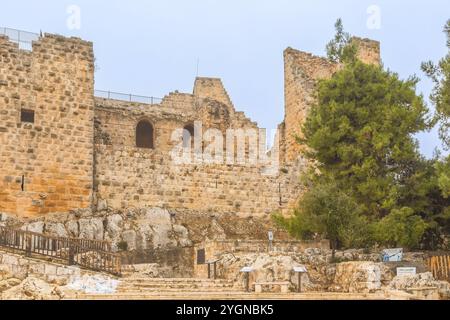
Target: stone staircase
[(167, 288), (145, 285), (204, 289)]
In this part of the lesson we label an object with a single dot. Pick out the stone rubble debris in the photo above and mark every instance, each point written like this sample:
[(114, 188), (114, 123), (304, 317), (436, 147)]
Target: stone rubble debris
[(96, 284)]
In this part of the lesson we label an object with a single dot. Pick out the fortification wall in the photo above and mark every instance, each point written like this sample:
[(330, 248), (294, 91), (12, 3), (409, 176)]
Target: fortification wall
[(79, 150), (46, 166), (127, 176), (131, 177)]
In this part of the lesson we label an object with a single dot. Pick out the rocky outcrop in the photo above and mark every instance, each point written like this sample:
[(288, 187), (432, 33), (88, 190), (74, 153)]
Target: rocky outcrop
[(365, 274), (420, 280), (360, 276), (140, 229), (33, 289), (148, 228), (24, 278), (7, 279)]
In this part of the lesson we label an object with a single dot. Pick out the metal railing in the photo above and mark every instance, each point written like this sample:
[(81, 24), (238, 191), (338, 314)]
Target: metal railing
[(126, 97), (91, 254), (25, 41), (23, 38)]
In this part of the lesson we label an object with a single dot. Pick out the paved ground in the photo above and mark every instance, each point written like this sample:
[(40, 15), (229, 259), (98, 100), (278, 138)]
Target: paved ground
[(230, 296)]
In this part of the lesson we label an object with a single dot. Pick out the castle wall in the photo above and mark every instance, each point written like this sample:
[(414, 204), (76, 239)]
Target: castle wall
[(46, 166), (81, 150), (128, 176)]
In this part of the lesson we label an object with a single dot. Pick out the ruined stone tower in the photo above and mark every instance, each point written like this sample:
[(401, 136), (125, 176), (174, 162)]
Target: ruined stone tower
[(302, 70), (46, 125)]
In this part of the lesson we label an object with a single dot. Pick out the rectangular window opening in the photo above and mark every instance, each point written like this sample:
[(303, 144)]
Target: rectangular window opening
[(27, 115)]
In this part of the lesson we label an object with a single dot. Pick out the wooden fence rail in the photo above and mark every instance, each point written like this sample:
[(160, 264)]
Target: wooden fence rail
[(91, 254), (440, 267)]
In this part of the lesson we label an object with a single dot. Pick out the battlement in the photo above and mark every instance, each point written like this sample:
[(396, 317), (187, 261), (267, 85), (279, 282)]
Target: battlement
[(29, 41), (211, 88)]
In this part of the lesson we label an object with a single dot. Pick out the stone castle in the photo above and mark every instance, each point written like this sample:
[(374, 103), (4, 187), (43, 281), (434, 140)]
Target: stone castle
[(63, 148)]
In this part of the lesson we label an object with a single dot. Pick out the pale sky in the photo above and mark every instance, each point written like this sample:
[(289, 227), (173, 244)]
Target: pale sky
[(152, 47)]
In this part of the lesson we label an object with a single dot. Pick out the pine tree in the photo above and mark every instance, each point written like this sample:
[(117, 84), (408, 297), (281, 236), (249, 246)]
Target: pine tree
[(440, 75), (360, 137)]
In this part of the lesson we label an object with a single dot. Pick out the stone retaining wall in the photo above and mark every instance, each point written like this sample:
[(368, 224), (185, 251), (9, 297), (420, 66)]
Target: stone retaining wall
[(20, 267)]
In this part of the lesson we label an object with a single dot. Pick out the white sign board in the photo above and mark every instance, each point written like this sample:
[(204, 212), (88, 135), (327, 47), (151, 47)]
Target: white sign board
[(408, 271), (301, 269), (247, 269), (270, 234), (392, 255)]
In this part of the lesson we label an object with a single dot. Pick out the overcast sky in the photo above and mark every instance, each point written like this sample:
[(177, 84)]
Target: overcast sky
[(152, 47)]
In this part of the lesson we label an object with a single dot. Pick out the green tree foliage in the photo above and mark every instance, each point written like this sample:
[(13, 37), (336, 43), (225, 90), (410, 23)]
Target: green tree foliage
[(420, 191), (372, 185), (402, 227), (325, 210), (443, 169), (339, 49), (440, 75), (360, 132)]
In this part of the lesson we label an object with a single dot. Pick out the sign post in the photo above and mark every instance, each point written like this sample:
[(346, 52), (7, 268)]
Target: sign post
[(246, 271), (270, 236), (300, 270)]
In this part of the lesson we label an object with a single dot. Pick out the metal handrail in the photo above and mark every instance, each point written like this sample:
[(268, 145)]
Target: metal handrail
[(25, 41), (126, 97), (91, 254), (23, 38)]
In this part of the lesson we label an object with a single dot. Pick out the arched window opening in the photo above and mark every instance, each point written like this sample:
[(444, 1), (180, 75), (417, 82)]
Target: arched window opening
[(188, 136), (144, 135)]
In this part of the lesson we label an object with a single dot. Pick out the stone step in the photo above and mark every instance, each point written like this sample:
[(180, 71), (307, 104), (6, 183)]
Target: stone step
[(180, 284), (173, 285), (185, 280), (169, 281), (158, 290)]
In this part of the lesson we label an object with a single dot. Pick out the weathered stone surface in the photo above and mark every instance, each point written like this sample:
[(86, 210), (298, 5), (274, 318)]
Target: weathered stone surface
[(322, 274), (360, 276), (114, 226), (91, 228), (33, 289), (266, 268), (102, 205), (129, 237), (24, 278), (420, 280), (37, 227), (73, 228), (182, 234), (56, 229), (52, 157), (95, 284)]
